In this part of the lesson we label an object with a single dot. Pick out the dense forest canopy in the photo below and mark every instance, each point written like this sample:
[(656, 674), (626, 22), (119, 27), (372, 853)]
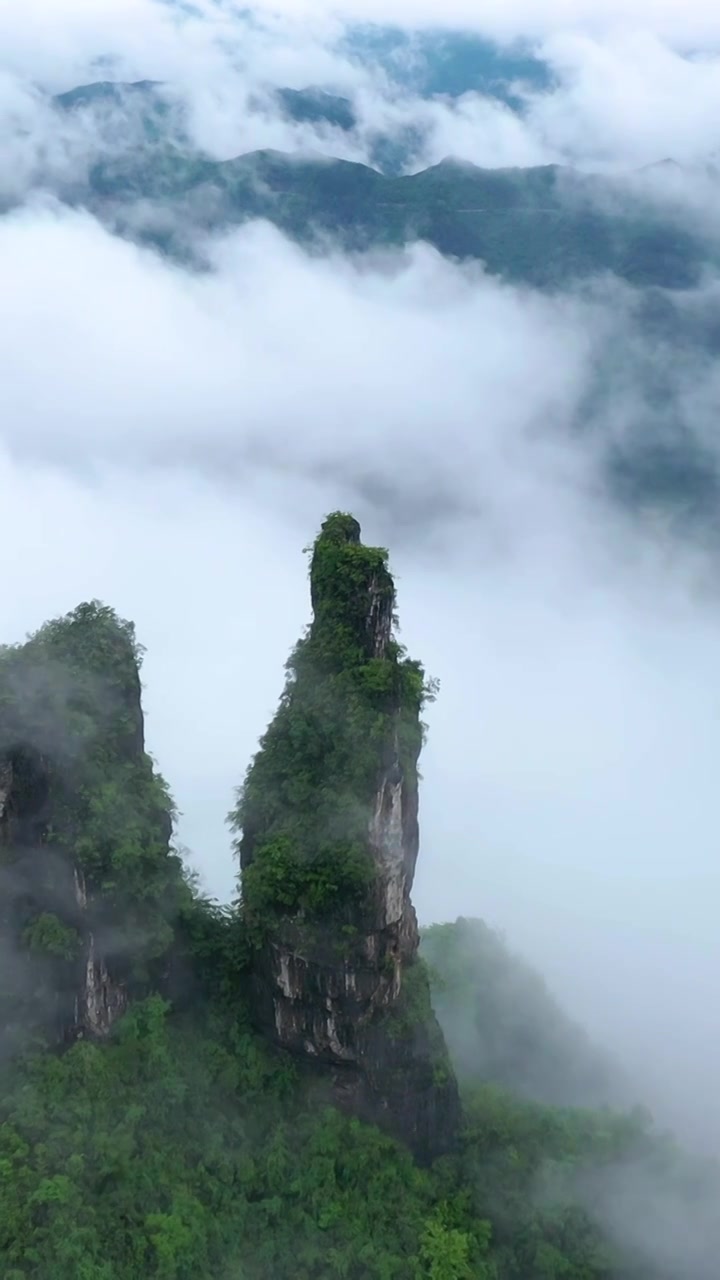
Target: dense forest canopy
[(172, 1140)]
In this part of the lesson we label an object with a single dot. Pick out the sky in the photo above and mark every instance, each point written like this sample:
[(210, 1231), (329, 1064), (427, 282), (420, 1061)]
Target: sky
[(170, 443)]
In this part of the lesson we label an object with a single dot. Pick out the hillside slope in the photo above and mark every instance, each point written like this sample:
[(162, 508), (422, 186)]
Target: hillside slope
[(503, 1026)]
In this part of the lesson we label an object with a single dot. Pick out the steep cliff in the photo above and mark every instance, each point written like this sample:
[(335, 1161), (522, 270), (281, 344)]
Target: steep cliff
[(328, 842), (86, 873)]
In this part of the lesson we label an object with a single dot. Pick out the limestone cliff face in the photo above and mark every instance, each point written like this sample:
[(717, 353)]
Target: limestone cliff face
[(338, 983), (77, 800)]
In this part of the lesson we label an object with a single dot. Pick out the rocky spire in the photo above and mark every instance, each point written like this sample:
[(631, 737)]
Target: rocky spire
[(328, 842), (86, 874)]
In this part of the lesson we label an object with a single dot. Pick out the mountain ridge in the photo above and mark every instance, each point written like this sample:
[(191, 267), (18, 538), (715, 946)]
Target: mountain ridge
[(549, 226)]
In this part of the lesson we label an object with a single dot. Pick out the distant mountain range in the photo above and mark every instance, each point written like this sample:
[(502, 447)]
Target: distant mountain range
[(548, 227), (544, 226)]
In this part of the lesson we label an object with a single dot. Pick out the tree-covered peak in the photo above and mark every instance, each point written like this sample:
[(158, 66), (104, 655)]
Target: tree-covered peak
[(341, 527), (350, 707), (88, 879), (92, 635), (73, 682), (329, 839), (352, 593)]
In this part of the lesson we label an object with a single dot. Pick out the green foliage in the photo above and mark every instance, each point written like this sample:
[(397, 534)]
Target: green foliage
[(412, 1008), (282, 877), (526, 1162), (181, 1150), (446, 1253), (48, 935), (351, 706), (85, 790)]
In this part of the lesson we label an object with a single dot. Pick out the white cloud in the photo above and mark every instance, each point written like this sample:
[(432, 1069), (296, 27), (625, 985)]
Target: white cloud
[(627, 99), (204, 349)]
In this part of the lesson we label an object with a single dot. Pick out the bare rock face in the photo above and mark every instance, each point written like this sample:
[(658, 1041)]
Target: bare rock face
[(328, 847), (101, 996), (84, 831)]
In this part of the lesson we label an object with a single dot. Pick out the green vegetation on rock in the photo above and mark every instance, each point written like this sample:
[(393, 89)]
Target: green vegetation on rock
[(346, 711), (85, 820)]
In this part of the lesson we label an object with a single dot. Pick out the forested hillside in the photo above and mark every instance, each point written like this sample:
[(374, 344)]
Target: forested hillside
[(503, 1026), (545, 226), (150, 1127)]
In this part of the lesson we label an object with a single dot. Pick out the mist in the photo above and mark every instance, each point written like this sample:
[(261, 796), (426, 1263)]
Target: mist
[(172, 440)]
